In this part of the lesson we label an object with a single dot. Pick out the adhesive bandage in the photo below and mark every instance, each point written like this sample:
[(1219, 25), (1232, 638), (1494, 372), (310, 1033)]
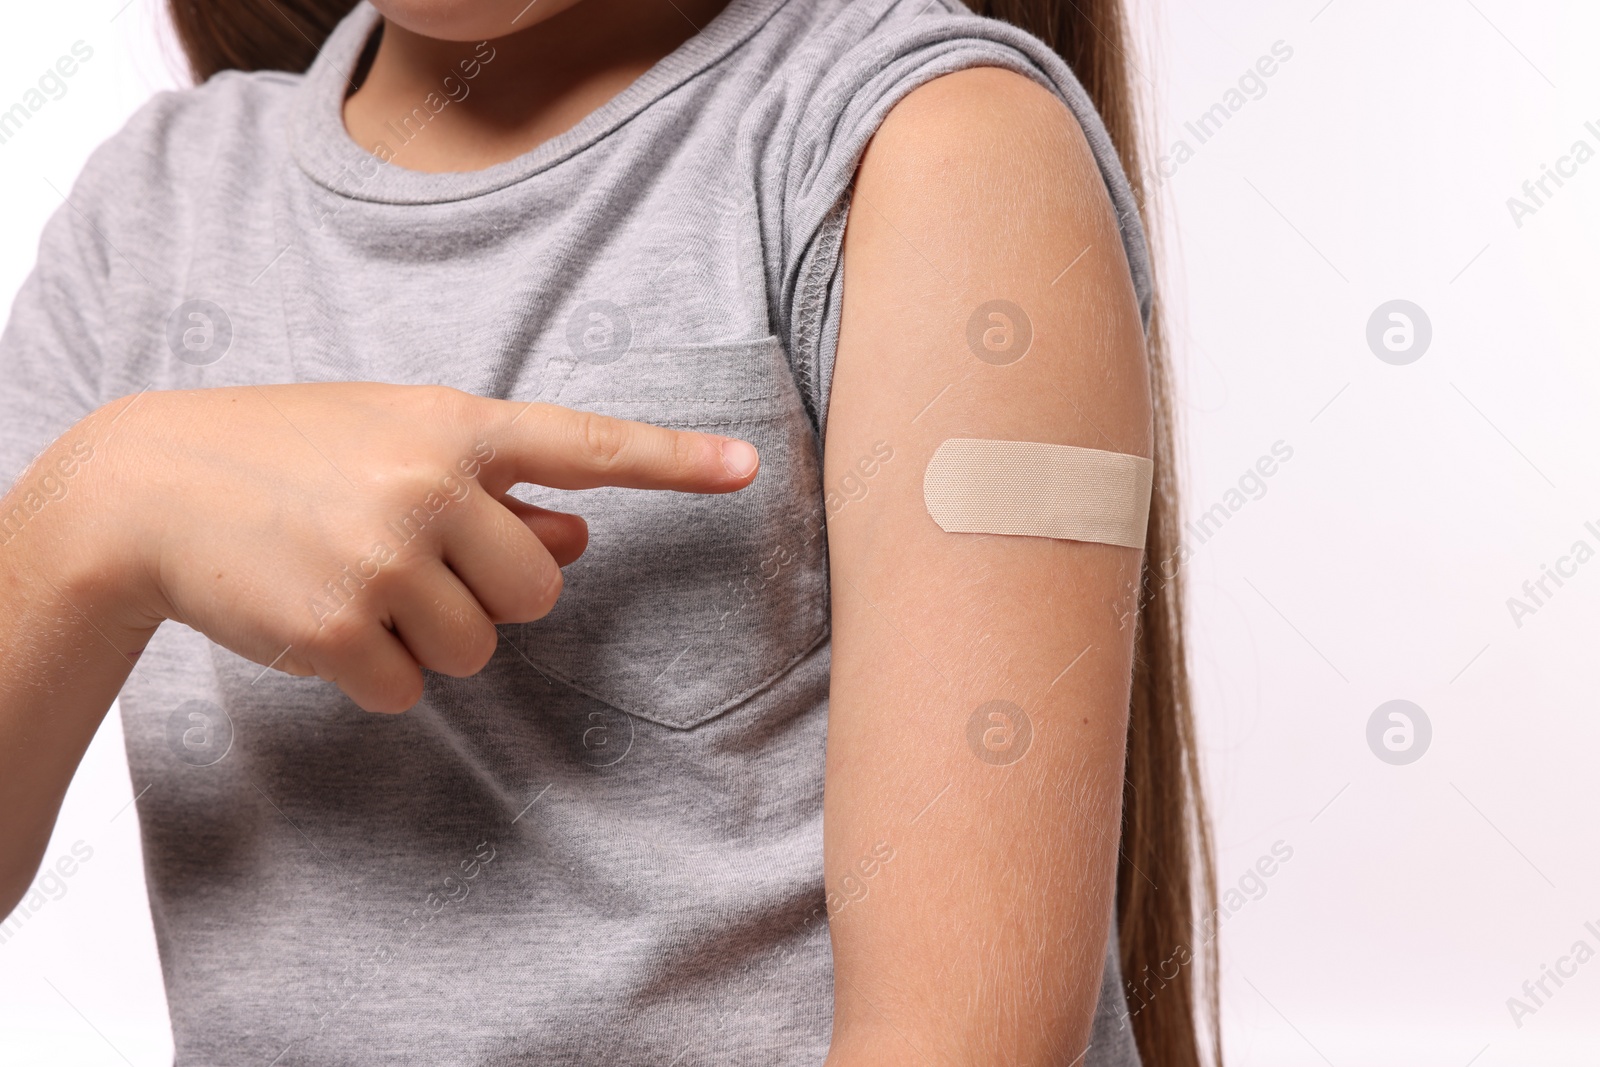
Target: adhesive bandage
[(1028, 489)]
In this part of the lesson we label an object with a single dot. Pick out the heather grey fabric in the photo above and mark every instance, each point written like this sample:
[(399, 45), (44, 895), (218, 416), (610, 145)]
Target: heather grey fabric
[(606, 847)]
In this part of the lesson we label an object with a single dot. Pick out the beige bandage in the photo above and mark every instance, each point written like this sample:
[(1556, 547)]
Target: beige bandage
[(1028, 489)]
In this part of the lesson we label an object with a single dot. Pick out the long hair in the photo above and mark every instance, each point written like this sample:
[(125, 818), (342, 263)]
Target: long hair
[(219, 35), (1165, 876)]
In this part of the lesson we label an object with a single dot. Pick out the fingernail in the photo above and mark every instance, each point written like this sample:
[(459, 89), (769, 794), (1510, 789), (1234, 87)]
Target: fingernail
[(739, 457)]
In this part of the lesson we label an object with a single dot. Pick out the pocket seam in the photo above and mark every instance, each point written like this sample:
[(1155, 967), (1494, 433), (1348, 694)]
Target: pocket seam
[(752, 418), (717, 711), (679, 400), (698, 412)]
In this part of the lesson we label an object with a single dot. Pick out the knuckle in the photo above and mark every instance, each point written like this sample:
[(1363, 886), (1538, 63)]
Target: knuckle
[(535, 595), (602, 439), (482, 648), (442, 401), (548, 591), (335, 637), (407, 568), (392, 486), (400, 693), (472, 647)]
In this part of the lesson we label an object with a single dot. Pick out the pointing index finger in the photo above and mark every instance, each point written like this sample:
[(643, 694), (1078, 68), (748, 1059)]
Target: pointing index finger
[(564, 448)]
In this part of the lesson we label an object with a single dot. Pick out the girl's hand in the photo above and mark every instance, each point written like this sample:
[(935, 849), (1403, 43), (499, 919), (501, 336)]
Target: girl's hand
[(355, 531)]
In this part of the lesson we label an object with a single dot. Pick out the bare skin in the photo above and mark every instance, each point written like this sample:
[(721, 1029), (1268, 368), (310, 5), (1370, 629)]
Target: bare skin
[(561, 60), (981, 940), (230, 511)]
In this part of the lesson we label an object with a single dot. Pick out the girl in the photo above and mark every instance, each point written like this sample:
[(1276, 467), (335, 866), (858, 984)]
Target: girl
[(338, 359)]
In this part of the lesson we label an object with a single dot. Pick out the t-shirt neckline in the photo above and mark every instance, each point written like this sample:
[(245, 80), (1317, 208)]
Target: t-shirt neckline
[(328, 155)]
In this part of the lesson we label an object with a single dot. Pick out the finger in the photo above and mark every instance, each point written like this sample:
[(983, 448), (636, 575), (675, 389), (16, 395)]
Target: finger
[(369, 663), (563, 534), (500, 562), (440, 622), (568, 449)]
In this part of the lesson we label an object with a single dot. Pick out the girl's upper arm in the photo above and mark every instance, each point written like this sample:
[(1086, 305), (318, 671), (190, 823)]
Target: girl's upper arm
[(980, 683)]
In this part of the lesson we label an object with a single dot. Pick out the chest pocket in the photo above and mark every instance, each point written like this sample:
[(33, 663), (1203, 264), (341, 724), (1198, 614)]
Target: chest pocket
[(685, 606)]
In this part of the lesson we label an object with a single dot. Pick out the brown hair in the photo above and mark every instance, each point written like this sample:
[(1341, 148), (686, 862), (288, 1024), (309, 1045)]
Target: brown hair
[(1165, 877), (254, 34)]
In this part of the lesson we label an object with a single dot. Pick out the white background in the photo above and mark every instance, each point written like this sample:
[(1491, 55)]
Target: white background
[(1377, 565)]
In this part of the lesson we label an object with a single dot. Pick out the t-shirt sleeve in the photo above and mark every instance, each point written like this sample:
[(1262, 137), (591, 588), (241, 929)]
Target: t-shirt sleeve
[(888, 48), (51, 354)]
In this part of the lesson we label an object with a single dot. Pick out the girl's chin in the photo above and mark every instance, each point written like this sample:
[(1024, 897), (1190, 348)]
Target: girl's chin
[(469, 20)]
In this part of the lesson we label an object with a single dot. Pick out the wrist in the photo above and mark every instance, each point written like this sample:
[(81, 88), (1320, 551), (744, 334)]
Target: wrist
[(60, 526)]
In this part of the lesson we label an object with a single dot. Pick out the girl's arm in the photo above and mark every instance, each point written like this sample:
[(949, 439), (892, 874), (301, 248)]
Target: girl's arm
[(266, 519), (980, 683)]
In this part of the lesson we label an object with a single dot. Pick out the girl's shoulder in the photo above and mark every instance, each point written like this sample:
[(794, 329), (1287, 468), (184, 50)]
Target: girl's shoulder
[(183, 141), (846, 64)]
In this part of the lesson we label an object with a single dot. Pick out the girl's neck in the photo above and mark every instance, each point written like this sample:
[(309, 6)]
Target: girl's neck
[(482, 105)]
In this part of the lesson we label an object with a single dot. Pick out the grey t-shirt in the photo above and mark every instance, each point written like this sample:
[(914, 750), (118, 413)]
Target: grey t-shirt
[(606, 847)]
